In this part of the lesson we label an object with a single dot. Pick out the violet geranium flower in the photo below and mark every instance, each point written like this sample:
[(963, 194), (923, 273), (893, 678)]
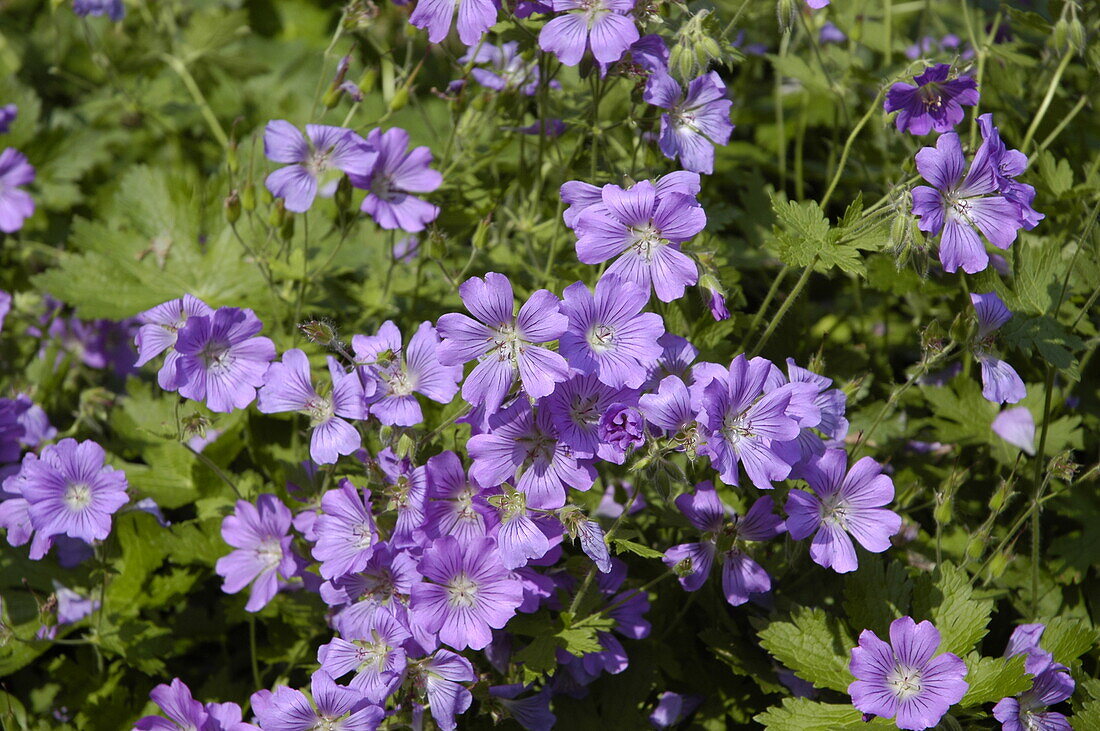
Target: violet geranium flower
[(1007, 165), (402, 372), (467, 592), (288, 386), (113, 9), (645, 230), (310, 158), (333, 707), (576, 407), (932, 101), (602, 25), (70, 491), (374, 653), (396, 175), (1052, 684), (474, 18), (905, 678), (843, 504), (259, 533), (1017, 427), (609, 335), (696, 123), (439, 677), (180, 708), (159, 329), (1000, 382), (503, 342), (222, 361), (15, 205), (345, 529), (961, 200)]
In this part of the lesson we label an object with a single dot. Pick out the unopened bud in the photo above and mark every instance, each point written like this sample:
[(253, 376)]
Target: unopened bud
[(287, 230), (998, 564), (278, 213), (932, 339), (785, 14), (331, 98), (385, 434), (248, 197), (400, 99), (368, 80), (404, 446), (944, 510), (322, 332), (232, 159), (232, 207), (481, 234)]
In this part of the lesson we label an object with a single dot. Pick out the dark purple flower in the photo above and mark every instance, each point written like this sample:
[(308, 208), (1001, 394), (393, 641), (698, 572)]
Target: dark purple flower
[(608, 334), (288, 386), (401, 372), (70, 491), (8, 113), (1017, 427), (843, 504), (670, 409), (960, 201), (259, 533), (160, 327), (382, 586), (15, 205), (532, 713), (527, 442), (333, 707), (602, 25), (931, 102), (906, 678), (395, 177), (644, 230), (113, 9), (648, 56), (5, 307), (474, 18), (503, 342), (622, 427), (696, 123), (439, 677), (221, 359), (831, 34), (12, 430), (672, 708), (575, 408), (1052, 684), (1000, 382), (1007, 166), (310, 158)]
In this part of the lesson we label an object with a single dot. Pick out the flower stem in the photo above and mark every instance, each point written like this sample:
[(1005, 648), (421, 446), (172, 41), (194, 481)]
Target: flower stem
[(848, 147), (790, 299), (1038, 118)]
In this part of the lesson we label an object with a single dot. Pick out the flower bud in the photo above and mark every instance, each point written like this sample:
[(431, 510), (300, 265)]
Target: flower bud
[(232, 207), (232, 159), (248, 197), (785, 11), (385, 434), (944, 510), (368, 80), (278, 213), (400, 99), (287, 230), (332, 97), (322, 331), (404, 446), (342, 197)]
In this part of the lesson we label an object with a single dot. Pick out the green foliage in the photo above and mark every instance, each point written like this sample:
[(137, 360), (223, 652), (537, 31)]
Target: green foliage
[(946, 598), (813, 644), (994, 678)]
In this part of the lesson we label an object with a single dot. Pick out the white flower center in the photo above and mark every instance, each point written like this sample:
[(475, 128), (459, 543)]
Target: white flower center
[(736, 427), (216, 356), (462, 591), (645, 240), (270, 552), (834, 509), (584, 411), (601, 338), (904, 682), (363, 536), (77, 496), (320, 410)]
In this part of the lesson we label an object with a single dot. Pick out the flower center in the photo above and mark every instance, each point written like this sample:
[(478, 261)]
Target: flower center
[(601, 338), (584, 411), (216, 356), (736, 427), (645, 240), (77, 496), (462, 591), (318, 162), (382, 186), (507, 343), (930, 96), (319, 410), (363, 536), (373, 654), (904, 682), (399, 382), (834, 510), (270, 552)]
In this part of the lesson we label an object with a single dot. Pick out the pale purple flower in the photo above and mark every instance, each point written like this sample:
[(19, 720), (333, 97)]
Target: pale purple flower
[(648, 55), (843, 504), (15, 205), (527, 442), (70, 491), (382, 586), (159, 328), (906, 679), (532, 713), (1000, 382), (1007, 165), (259, 533), (5, 307), (506, 68), (113, 9), (831, 34), (644, 230), (608, 334), (288, 386), (407, 488), (503, 342), (677, 355), (932, 101), (1052, 684), (439, 677), (345, 529), (71, 608), (605, 26), (960, 201), (474, 18), (743, 424), (375, 654), (309, 158), (402, 372), (456, 504), (222, 361), (591, 537), (15, 515), (333, 708), (398, 174), (575, 408), (817, 4), (623, 428), (518, 536), (1017, 427), (466, 592), (182, 711), (696, 123), (579, 196)]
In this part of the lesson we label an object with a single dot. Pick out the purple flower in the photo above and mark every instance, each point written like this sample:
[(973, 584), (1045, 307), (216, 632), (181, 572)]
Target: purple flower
[(466, 592), (160, 327), (113, 9), (672, 708), (1007, 165), (648, 55), (527, 442), (401, 372), (474, 18), (12, 430), (843, 504), (831, 34), (742, 423), (931, 102), (1000, 382), (579, 196), (183, 711), (622, 427), (288, 387), (381, 587), (8, 113), (608, 334), (15, 514), (950, 43), (645, 230), (221, 359), (407, 487), (70, 491), (456, 505), (260, 534), (508, 71), (960, 201), (1017, 427), (71, 607), (906, 678), (396, 175), (575, 408), (375, 654), (1052, 684), (439, 676), (345, 531), (602, 25), (518, 537), (504, 343), (670, 409), (309, 158), (532, 713), (591, 536), (5, 307), (334, 707), (696, 123), (15, 205)]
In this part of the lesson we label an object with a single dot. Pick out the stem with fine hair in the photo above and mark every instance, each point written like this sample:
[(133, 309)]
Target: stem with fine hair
[(848, 147), (787, 302)]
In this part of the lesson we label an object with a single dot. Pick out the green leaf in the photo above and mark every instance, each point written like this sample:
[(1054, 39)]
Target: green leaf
[(1037, 281), (1087, 718), (802, 714), (1068, 638), (812, 644), (994, 678), (1045, 338), (804, 238), (877, 594), (141, 539), (623, 546), (961, 415), (1057, 174), (947, 599)]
